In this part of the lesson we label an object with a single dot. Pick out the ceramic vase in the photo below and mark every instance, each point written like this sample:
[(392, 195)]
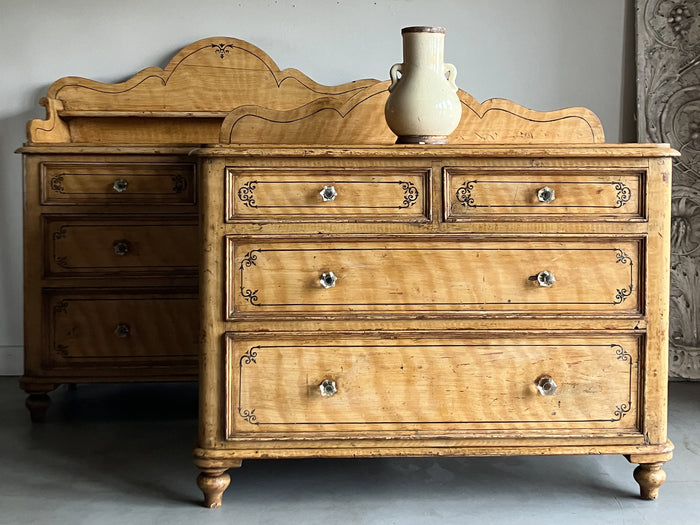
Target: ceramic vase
[(423, 106)]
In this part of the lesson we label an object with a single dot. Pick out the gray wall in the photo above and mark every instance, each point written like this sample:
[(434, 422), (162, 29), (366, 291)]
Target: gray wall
[(544, 54)]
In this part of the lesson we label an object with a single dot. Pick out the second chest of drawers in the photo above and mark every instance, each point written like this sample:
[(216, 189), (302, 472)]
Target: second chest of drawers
[(111, 243)]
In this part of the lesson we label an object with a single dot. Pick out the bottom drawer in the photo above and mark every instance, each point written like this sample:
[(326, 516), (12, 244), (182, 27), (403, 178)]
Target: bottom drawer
[(122, 329), (295, 384)]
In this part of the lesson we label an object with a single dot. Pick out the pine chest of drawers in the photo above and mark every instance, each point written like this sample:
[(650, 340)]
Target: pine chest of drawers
[(433, 300)]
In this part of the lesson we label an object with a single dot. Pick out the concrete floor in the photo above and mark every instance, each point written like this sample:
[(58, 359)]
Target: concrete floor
[(120, 454)]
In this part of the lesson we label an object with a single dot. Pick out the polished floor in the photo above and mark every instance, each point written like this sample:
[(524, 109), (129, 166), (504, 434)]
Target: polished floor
[(120, 454)]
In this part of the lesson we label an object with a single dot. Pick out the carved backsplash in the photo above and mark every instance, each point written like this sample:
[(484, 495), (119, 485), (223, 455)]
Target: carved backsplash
[(668, 97)]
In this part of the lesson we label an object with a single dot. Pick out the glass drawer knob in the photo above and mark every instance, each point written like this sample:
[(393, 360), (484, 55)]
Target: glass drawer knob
[(545, 278), (328, 193), (328, 388), (122, 330), (121, 247), (328, 280), (120, 185), (546, 195), (546, 386)]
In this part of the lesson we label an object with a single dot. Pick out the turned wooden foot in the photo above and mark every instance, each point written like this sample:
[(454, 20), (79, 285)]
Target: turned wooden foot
[(213, 483), (38, 405), (650, 477)]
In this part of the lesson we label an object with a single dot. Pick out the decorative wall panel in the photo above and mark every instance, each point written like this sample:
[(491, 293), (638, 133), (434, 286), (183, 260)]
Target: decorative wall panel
[(668, 97)]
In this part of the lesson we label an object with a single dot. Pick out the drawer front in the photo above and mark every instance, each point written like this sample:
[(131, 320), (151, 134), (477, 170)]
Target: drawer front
[(127, 330), (598, 276), (277, 384), (117, 183), (144, 245), (381, 194), (482, 195)]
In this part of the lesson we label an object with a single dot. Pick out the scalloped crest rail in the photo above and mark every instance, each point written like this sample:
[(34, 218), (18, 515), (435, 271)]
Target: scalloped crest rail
[(229, 80)]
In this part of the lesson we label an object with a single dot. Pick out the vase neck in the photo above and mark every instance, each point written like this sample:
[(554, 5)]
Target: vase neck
[(424, 49)]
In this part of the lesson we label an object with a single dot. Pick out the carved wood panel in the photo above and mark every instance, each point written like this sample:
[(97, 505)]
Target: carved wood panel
[(668, 93)]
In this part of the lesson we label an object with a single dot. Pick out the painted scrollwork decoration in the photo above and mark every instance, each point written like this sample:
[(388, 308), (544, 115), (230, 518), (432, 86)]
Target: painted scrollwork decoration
[(245, 193), (464, 194), (623, 293), (249, 357), (248, 261), (621, 411), (410, 194), (668, 90), (57, 183), (248, 416), (179, 183), (222, 49), (622, 354), (623, 194)]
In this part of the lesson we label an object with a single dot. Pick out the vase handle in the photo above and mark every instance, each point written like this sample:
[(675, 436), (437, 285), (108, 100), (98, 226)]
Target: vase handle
[(451, 73), (394, 74)]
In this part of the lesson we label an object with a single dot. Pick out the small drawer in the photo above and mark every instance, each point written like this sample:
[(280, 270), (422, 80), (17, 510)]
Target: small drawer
[(479, 195), (122, 329), (598, 276), (117, 183), (143, 245), (339, 382), (309, 194)]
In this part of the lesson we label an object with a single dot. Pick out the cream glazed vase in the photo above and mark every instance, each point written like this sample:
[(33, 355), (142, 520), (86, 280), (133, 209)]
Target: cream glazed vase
[(423, 106)]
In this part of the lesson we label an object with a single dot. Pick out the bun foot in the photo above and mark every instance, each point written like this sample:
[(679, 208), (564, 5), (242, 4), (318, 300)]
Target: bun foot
[(213, 483), (650, 477), (38, 405)]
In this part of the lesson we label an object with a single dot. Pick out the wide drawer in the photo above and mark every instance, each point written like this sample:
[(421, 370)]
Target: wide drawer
[(121, 329), (117, 183), (143, 245), (451, 275), (296, 384), (483, 195), (379, 194)]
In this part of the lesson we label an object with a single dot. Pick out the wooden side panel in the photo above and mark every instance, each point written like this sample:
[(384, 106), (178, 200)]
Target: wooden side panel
[(448, 275), (432, 383)]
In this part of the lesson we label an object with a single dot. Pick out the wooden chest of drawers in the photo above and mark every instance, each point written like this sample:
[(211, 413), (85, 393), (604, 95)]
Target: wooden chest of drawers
[(506, 294), (111, 244), (433, 300)]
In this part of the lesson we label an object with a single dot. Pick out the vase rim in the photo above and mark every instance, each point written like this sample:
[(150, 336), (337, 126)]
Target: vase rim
[(423, 29)]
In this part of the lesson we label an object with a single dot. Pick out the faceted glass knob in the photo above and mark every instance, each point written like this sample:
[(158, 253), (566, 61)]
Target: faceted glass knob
[(328, 193), (546, 386), (546, 195), (120, 185), (546, 278), (121, 247), (328, 388), (122, 330), (328, 280)]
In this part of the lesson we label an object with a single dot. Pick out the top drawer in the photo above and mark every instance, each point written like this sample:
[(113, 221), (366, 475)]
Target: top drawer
[(575, 196), (117, 183), (332, 194)]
